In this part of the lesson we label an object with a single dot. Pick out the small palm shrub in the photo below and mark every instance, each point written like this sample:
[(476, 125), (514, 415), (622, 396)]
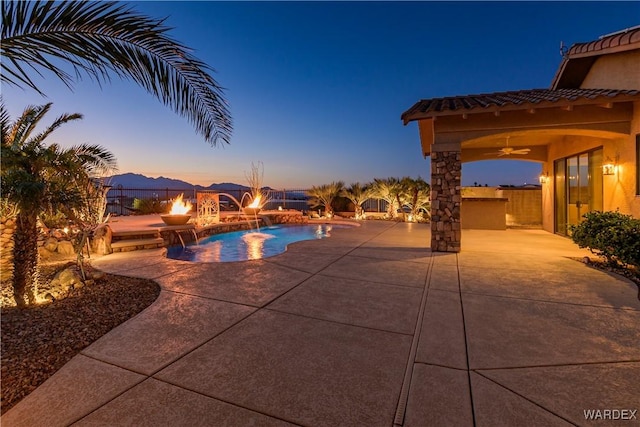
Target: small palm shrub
[(324, 195), (611, 235), (148, 206), (54, 219)]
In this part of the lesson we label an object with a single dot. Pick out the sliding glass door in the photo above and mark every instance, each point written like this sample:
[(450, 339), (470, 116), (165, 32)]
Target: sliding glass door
[(578, 188)]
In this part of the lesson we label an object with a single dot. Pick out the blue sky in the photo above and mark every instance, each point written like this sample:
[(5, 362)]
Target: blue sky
[(316, 89)]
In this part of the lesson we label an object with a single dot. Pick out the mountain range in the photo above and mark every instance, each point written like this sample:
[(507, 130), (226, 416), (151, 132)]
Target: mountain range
[(138, 181)]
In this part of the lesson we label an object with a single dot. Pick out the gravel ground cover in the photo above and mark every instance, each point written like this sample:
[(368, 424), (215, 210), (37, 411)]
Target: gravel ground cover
[(37, 341)]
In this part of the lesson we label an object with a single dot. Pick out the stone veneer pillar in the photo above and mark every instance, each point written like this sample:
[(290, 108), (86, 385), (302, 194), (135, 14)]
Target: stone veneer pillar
[(446, 171)]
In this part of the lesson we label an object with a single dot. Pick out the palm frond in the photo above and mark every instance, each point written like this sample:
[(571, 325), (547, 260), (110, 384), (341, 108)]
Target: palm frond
[(98, 39), (5, 122), (95, 159), (21, 129)]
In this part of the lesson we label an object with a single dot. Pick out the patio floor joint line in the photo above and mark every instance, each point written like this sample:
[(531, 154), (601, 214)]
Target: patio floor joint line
[(466, 341), (406, 382), (526, 398)]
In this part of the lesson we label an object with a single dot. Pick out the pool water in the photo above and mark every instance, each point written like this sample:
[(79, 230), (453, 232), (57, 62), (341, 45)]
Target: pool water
[(250, 244)]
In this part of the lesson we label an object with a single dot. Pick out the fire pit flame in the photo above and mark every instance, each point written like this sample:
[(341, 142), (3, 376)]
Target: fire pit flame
[(179, 207), (179, 214), (256, 202)]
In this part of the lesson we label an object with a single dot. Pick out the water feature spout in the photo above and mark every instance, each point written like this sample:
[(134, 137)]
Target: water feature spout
[(247, 211), (180, 238)]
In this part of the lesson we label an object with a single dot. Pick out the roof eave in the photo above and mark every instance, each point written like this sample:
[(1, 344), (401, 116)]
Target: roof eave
[(412, 115)]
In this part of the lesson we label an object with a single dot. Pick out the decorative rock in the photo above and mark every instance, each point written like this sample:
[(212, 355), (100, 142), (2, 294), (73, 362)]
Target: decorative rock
[(65, 247), (43, 252), (68, 276), (98, 275), (101, 242), (51, 244)]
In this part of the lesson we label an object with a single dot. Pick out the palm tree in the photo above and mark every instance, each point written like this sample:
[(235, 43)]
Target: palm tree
[(357, 194), (38, 178), (324, 195), (389, 190), (417, 196), (100, 38)]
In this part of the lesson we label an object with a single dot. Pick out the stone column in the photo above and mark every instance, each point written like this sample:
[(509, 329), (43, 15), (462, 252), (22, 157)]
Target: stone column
[(446, 171)]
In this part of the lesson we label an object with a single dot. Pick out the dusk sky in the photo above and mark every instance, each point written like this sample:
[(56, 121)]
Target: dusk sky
[(316, 89)]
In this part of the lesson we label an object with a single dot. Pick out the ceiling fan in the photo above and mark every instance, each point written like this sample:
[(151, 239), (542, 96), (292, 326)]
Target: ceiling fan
[(506, 150)]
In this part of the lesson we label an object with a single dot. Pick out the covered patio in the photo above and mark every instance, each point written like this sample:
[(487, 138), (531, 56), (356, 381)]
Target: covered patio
[(584, 131), (537, 125)]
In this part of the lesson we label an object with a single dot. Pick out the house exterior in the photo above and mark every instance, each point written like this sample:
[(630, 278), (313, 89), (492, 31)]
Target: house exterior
[(584, 131)]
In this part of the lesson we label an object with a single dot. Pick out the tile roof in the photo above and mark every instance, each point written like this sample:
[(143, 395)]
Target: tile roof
[(579, 59), (500, 100), (621, 40)]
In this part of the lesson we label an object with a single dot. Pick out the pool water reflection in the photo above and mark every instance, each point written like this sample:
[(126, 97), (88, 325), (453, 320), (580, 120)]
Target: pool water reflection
[(250, 244)]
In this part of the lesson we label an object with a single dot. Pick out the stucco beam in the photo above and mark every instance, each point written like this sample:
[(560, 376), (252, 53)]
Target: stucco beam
[(461, 135), (449, 146), (427, 135), (543, 117)]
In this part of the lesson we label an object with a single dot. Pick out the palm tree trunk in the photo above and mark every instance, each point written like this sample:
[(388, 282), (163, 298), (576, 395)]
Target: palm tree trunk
[(391, 211), (414, 204), (25, 259), (399, 207)]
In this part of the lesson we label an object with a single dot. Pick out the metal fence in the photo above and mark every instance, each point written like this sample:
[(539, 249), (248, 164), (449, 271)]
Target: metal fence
[(122, 201)]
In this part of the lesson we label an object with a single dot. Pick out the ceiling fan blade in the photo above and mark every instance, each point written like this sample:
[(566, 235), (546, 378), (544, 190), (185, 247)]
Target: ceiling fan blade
[(521, 151)]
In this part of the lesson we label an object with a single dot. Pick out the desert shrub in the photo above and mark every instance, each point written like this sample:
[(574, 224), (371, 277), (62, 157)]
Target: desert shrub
[(7, 209), (611, 235), (148, 206), (54, 219)]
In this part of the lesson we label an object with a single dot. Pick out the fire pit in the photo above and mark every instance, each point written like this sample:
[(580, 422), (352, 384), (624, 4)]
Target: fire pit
[(175, 219), (253, 208), (178, 214), (250, 211)]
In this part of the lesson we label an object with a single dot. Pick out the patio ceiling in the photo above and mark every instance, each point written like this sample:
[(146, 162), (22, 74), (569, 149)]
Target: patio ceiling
[(529, 118)]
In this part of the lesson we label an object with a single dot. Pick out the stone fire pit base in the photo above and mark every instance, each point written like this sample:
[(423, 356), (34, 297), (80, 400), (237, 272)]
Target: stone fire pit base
[(175, 219)]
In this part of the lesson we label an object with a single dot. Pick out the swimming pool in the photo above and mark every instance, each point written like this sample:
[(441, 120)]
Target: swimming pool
[(250, 244)]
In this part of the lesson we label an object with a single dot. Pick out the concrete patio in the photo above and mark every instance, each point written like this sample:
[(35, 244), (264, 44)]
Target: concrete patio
[(367, 327)]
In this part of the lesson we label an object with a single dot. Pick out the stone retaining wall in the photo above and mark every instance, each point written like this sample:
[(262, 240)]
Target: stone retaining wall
[(293, 217), (7, 228)]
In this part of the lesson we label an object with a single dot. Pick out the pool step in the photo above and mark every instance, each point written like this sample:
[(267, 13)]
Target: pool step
[(125, 241)]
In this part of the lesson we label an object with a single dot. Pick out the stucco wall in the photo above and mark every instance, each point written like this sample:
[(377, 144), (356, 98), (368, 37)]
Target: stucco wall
[(631, 168), (481, 213), (619, 190), (615, 71), (523, 208)]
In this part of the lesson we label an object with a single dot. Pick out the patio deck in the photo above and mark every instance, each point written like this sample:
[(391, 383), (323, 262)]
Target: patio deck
[(368, 327)]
